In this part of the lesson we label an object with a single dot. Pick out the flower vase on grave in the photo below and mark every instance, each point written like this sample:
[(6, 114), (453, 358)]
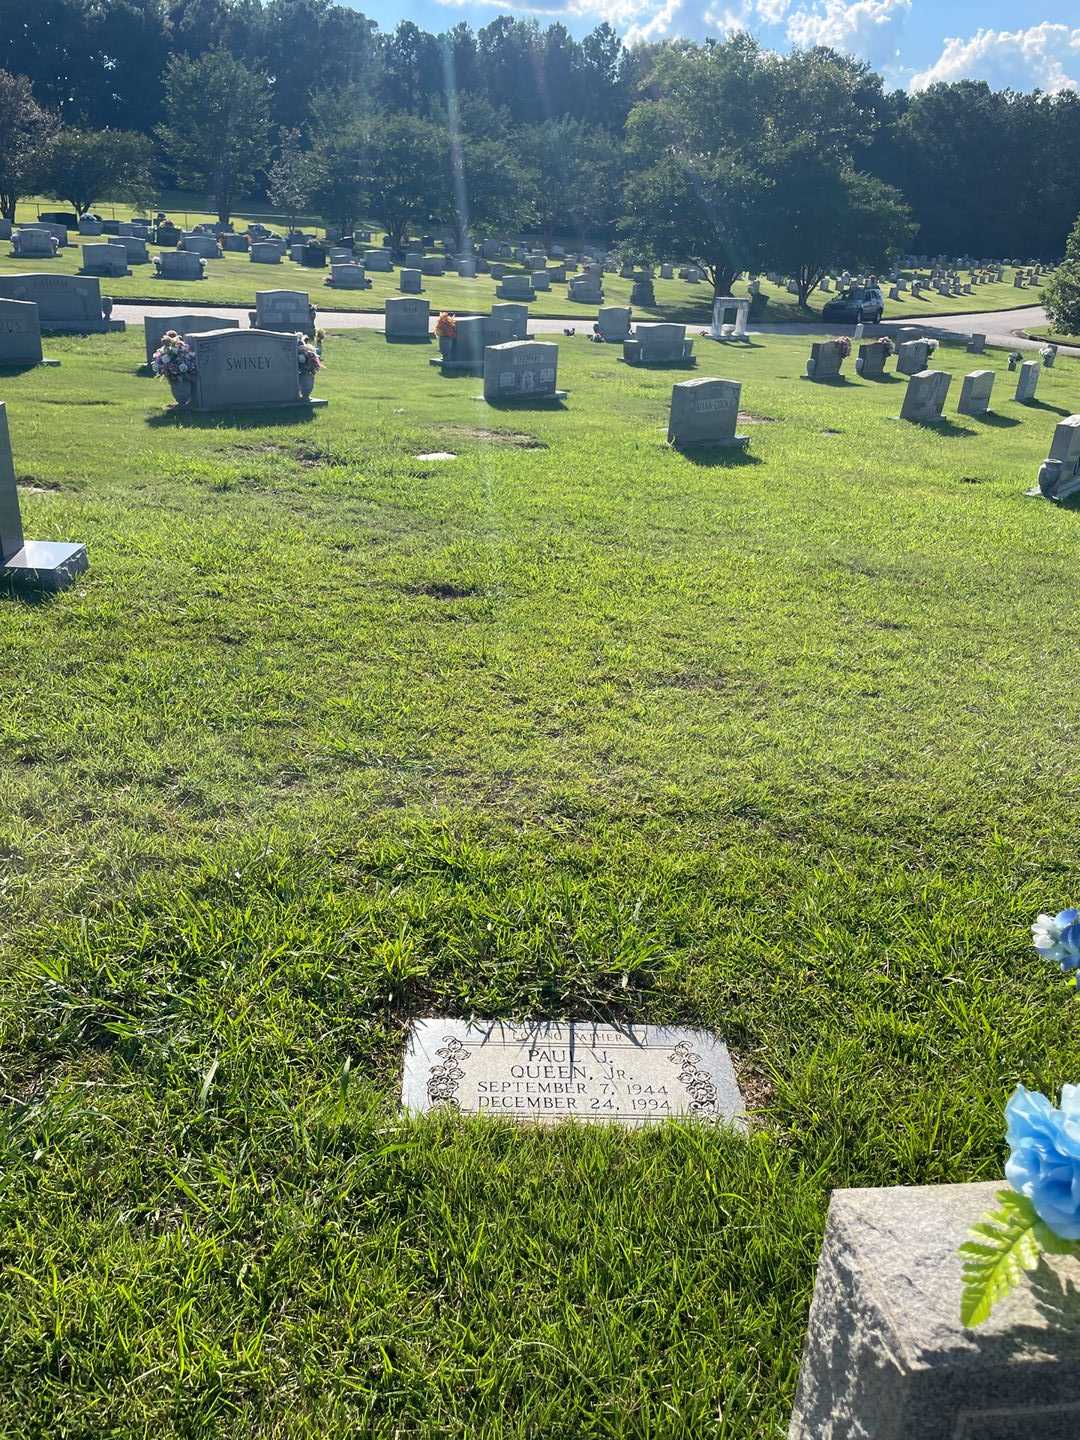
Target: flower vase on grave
[(307, 383), (181, 392)]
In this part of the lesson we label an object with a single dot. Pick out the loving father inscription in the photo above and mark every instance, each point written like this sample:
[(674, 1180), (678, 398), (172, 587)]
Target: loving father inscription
[(569, 1070)]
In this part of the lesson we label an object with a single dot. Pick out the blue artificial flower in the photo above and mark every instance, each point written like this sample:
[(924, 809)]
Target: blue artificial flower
[(1044, 1163), (1057, 938)]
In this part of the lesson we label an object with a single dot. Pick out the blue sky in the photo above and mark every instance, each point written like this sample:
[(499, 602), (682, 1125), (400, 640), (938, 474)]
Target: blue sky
[(1026, 44)]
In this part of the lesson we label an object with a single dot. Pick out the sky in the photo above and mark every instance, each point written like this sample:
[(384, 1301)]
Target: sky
[(1023, 44)]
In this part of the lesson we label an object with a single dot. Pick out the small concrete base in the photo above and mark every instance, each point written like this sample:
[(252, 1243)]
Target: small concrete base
[(737, 442), (526, 400), (309, 404), (458, 367), (44, 565)]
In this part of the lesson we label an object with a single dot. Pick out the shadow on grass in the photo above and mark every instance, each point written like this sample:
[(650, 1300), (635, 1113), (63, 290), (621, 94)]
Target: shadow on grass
[(720, 459), (948, 428), (837, 382), (407, 339), (1042, 405), (994, 421), (13, 368), (883, 379), (232, 419), (511, 405)]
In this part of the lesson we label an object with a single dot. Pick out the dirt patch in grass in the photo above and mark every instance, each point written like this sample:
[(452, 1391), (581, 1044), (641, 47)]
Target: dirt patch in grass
[(444, 590), (36, 484), (306, 455), (516, 438), (746, 418)]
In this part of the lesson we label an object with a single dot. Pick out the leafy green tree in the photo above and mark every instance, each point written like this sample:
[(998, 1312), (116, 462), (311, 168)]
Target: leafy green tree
[(1061, 294), (292, 177), (89, 165), (403, 172), (26, 137), (218, 128), (557, 154)]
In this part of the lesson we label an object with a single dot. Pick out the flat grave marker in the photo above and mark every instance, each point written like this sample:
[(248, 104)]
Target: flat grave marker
[(29, 564), (588, 1071)]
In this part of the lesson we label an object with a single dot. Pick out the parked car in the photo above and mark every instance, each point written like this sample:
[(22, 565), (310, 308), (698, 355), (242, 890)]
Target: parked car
[(855, 304)]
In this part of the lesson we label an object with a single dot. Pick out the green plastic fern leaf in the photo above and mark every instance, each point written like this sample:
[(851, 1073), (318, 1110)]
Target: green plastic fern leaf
[(1002, 1247)]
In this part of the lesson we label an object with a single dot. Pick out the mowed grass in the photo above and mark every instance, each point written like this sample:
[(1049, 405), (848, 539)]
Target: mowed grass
[(570, 725), (1047, 332), (233, 280)]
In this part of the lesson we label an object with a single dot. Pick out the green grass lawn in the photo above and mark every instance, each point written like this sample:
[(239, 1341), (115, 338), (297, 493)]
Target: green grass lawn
[(233, 280), (1047, 332), (571, 725)]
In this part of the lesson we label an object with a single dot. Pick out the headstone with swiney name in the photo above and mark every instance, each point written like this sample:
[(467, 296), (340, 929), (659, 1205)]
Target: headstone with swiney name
[(925, 396), (886, 1355), (105, 260), (155, 327), (548, 1071), (20, 334), (179, 265), (826, 358), (1059, 475), (67, 304), (522, 370), (407, 319), (245, 370), (704, 414), (512, 320), (975, 393), (1027, 382), (290, 310), (29, 564), (661, 344)]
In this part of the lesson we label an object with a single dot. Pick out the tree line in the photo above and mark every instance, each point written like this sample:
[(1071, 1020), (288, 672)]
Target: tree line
[(721, 153)]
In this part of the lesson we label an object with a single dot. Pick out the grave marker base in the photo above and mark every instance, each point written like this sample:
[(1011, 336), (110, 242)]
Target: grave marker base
[(736, 442), (525, 401), (311, 402), (44, 565)]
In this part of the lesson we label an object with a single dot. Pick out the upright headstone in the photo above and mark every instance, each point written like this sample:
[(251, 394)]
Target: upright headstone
[(886, 1355), (704, 413), (29, 564), (540, 280), (20, 333), (585, 290), (512, 320), (289, 310), (348, 277), (234, 244), (975, 393), (67, 304), (977, 344), (614, 322), (411, 282), (643, 293), (515, 287), (156, 326), (912, 357), (660, 344), (30, 244), (89, 227), (179, 265), (1059, 476), (262, 253), (1027, 382), (870, 361), (135, 245), (522, 370), (433, 265), (826, 358), (206, 246), (246, 369), (109, 260), (407, 319), (924, 398)]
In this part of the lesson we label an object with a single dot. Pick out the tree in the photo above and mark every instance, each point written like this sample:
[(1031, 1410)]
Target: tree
[(1061, 294), (819, 214), (26, 135), (403, 172), (557, 155), (87, 165), (292, 177), (218, 129)]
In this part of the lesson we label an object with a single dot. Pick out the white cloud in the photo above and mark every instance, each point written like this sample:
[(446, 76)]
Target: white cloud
[(870, 29), (1044, 57)]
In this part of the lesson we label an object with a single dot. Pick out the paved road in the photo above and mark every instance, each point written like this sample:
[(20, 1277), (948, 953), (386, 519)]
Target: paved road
[(1000, 327)]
